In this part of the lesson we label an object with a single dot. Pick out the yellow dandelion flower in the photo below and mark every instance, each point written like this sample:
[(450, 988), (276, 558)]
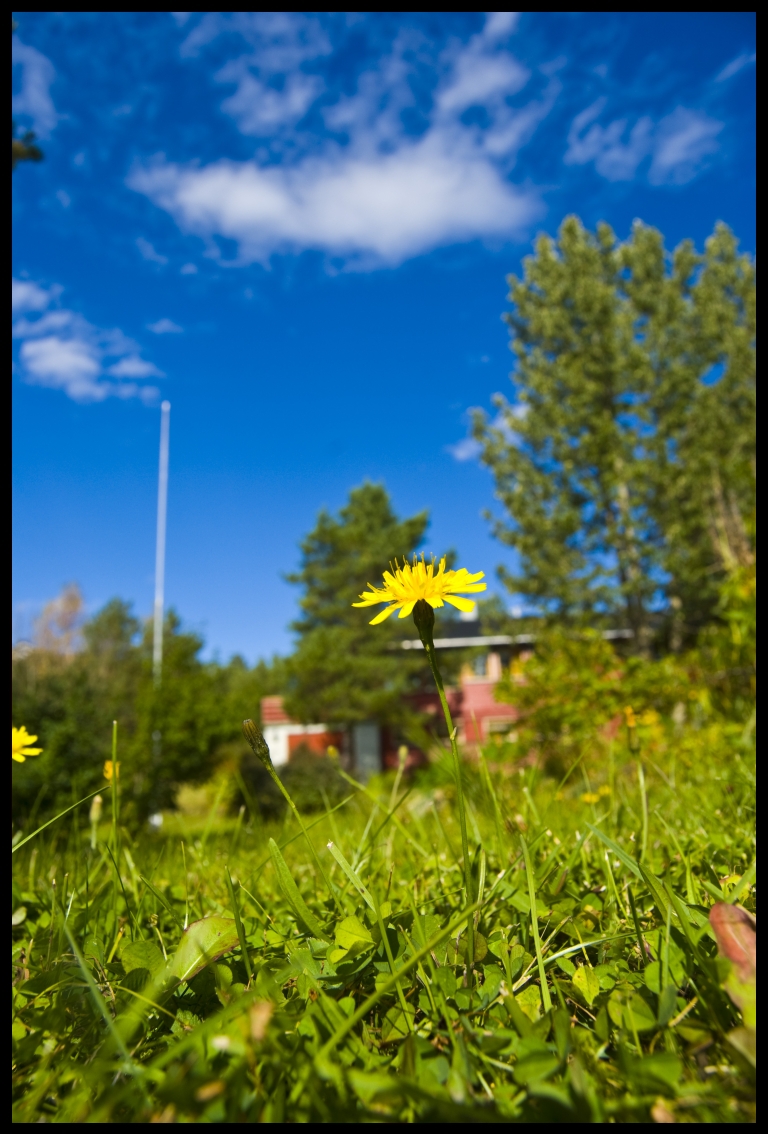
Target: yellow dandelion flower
[(629, 716), (404, 586), (108, 769), (21, 743), (604, 790), (590, 797)]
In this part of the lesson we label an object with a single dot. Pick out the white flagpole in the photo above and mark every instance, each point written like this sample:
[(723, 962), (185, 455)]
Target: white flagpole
[(162, 510)]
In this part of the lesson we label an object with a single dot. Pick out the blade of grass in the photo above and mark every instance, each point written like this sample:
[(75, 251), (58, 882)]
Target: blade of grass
[(102, 1009), (352, 876), (61, 815), (545, 997), (239, 925), (292, 895), (644, 806), (119, 877), (640, 939), (744, 882), (617, 850), (161, 899)]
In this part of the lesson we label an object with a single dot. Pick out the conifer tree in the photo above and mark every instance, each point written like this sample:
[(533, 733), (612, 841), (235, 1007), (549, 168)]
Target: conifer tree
[(341, 672), (625, 461)]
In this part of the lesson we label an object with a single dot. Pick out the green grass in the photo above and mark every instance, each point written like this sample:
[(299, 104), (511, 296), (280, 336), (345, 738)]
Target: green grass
[(359, 1004)]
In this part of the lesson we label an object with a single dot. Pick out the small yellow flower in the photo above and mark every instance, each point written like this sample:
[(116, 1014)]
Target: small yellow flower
[(21, 742), (629, 716), (590, 797), (108, 768), (604, 790), (404, 586)]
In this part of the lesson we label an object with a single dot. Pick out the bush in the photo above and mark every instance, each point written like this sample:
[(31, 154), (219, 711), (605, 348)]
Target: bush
[(309, 777)]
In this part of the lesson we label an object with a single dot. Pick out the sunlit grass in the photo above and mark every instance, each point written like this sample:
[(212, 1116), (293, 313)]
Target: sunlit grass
[(607, 1006)]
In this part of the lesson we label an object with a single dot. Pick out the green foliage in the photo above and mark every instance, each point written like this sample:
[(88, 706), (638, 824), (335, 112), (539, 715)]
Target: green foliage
[(171, 734), (572, 692), (651, 1018), (626, 464), (24, 148), (313, 779), (342, 672)]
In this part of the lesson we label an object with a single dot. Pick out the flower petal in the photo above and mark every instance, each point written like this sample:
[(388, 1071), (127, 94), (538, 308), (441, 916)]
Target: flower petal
[(407, 609), (382, 615), (464, 604)]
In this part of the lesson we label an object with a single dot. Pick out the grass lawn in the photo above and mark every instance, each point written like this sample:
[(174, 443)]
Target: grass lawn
[(338, 986)]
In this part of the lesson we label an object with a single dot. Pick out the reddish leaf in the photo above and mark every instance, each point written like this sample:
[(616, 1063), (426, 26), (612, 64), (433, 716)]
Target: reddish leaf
[(734, 929)]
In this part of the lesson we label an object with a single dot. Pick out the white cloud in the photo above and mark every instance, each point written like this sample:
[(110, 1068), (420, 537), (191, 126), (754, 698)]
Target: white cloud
[(479, 78), (257, 108), (34, 98), (736, 65), (676, 144), (683, 139), (188, 269), (380, 208), (63, 198), (148, 251), (165, 327), (29, 296), (61, 350), (380, 195), (468, 449), (134, 367)]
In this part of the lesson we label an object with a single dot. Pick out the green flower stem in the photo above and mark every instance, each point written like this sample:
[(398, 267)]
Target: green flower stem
[(261, 750), (113, 784), (424, 617)]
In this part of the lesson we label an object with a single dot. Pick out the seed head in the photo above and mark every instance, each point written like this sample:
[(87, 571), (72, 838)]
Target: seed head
[(257, 743)]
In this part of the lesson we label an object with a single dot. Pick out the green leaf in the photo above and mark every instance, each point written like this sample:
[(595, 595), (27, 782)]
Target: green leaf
[(291, 893), (142, 955), (744, 1040), (667, 1005), (445, 980), (425, 926), (395, 1026), (656, 1072), (530, 1001), (203, 941), (630, 1011), (586, 981), (456, 952), (352, 936)]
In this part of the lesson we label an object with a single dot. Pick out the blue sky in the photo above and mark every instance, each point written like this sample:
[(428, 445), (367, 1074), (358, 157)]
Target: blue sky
[(297, 229)]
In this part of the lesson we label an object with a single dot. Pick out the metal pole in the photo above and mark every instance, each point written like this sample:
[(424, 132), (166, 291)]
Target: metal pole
[(162, 510)]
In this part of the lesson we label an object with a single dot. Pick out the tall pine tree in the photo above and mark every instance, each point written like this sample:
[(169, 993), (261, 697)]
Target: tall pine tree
[(625, 463)]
